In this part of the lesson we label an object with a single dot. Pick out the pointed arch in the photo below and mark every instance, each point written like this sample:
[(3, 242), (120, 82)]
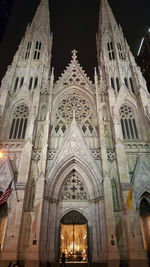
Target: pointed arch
[(58, 176)]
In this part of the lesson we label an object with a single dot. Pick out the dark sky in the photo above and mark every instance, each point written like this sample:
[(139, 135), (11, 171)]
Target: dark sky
[(74, 24)]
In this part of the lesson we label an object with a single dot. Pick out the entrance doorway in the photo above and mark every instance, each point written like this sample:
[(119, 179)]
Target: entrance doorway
[(145, 222), (73, 237)]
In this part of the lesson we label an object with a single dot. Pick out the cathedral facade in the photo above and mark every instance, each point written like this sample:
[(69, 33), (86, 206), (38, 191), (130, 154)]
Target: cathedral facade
[(76, 153)]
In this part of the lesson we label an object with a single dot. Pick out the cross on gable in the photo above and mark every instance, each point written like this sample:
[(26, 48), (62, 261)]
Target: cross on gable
[(74, 54)]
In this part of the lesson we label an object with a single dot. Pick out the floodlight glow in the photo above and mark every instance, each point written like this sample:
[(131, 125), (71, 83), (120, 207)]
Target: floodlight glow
[(1, 155)]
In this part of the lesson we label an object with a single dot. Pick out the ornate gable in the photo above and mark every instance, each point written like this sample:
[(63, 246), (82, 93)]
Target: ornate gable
[(74, 147), (141, 179), (74, 75)]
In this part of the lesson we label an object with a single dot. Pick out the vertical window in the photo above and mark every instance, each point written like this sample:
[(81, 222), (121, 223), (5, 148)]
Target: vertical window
[(117, 84), (126, 82), (21, 82), (110, 51), (19, 122), (37, 50), (128, 122), (27, 55), (120, 51), (35, 82), (112, 83), (131, 85), (30, 83), (16, 84)]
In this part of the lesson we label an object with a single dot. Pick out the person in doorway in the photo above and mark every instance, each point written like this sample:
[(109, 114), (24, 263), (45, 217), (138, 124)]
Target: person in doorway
[(63, 260)]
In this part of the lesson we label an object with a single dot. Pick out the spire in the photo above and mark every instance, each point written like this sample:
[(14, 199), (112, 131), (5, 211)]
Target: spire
[(41, 20), (107, 19)]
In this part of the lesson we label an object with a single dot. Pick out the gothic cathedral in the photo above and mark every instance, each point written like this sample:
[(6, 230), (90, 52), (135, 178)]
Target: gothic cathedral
[(75, 153)]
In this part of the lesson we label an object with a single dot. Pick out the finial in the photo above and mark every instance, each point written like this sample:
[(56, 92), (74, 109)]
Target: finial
[(74, 54)]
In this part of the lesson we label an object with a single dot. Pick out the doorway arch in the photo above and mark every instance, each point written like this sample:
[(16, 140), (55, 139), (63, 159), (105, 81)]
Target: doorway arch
[(145, 222), (74, 237)]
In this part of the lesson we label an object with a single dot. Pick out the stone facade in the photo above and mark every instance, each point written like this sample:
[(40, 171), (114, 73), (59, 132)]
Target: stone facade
[(100, 133)]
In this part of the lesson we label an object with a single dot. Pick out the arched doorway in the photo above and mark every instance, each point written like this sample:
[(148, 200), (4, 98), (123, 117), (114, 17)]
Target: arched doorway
[(3, 222), (145, 222), (74, 237)]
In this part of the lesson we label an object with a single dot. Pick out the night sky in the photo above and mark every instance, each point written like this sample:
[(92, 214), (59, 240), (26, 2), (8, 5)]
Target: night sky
[(74, 24)]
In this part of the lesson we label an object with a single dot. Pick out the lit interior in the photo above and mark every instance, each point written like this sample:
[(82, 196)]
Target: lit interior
[(74, 242)]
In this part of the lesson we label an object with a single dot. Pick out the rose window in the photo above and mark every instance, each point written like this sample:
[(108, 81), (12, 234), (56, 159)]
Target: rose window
[(74, 103)]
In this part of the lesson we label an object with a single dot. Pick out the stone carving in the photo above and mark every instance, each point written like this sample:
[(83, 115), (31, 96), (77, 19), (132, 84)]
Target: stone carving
[(36, 155), (21, 111), (51, 154), (96, 154), (73, 189), (111, 155)]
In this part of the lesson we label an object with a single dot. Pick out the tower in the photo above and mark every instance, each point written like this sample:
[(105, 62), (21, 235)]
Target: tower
[(78, 153)]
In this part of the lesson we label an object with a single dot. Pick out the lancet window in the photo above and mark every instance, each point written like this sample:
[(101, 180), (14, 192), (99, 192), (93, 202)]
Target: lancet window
[(110, 51), (19, 122), (120, 51), (37, 50), (27, 55), (16, 84), (128, 122), (73, 188)]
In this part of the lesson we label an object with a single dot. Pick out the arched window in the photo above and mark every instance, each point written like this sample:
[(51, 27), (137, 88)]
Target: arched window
[(35, 82), (27, 55), (37, 50), (128, 122), (30, 83), (112, 83), (110, 51), (21, 82), (126, 82), (16, 84), (117, 84), (131, 85), (19, 122), (120, 51)]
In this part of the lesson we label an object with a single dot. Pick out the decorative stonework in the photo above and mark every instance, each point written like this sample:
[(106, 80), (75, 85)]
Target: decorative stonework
[(51, 154), (73, 189), (111, 155), (21, 111), (36, 155), (6, 145), (137, 146), (74, 102), (96, 154)]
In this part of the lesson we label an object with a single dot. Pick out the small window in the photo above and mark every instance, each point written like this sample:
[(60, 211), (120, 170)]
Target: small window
[(112, 83), (131, 85), (120, 51), (27, 55), (19, 122), (126, 82), (117, 84), (30, 83), (110, 51), (21, 82), (35, 82), (37, 50), (16, 84)]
